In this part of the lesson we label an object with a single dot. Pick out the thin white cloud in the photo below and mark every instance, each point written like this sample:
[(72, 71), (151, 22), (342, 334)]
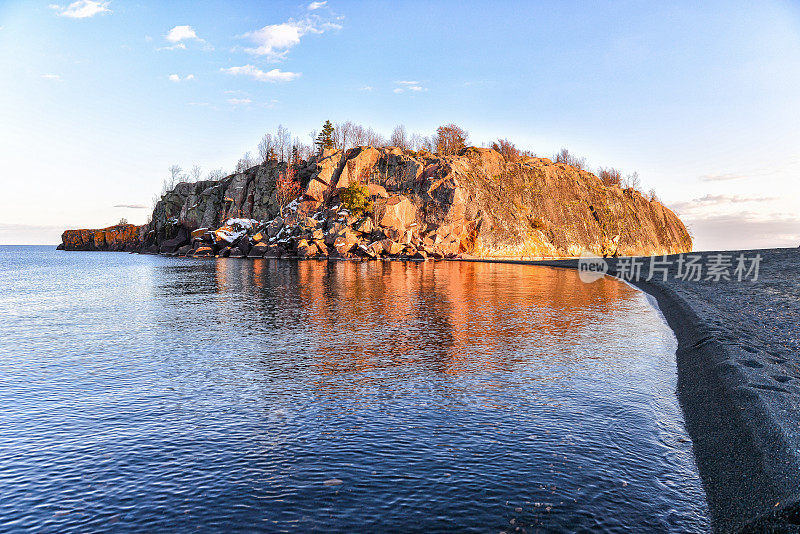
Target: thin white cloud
[(721, 177), (132, 206), (316, 5), (405, 85), (54, 77), (239, 101), (81, 9), (275, 40), (181, 33), (710, 206), (274, 75), (366, 88), (176, 78), (179, 46)]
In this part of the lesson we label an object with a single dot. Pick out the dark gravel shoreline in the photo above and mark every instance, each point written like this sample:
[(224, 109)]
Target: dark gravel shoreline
[(738, 383)]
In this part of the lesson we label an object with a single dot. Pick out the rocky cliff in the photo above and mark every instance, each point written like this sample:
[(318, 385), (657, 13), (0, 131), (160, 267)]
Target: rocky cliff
[(122, 237), (422, 205)]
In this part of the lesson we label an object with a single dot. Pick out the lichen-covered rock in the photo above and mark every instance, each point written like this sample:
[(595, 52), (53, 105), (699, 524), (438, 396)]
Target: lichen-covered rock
[(121, 237)]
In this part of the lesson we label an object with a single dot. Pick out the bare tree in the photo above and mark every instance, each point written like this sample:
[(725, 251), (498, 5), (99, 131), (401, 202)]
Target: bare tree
[(399, 138), (244, 163), (359, 135), (415, 142), (304, 150), (216, 174), (610, 176), (373, 138), (175, 172), (563, 156), (632, 181), (313, 135), (450, 139), (343, 135), (175, 177), (266, 148), (196, 173), (507, 149), (283, 142)]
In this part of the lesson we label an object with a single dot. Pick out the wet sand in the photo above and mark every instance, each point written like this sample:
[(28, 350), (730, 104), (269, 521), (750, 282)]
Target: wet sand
[(738, 383)]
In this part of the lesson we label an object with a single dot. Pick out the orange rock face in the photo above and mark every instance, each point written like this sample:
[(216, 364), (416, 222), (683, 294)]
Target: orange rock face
[(122, 237)]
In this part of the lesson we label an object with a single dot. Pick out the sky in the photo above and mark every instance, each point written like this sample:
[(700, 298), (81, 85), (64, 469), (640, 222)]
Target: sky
[(99, 98)]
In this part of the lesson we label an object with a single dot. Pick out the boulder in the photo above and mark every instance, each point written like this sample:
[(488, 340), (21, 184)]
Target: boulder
[(306, 249), (364, 226), (274, 251), (392, 248), (359, 166), (203, 252), (376, 190), (244, 246), (321, 247), (184, 250), (345, 242), (227, 236), (274, 227), (172, 245), (366, 251), (258, 250), (396, 212), (199, 232)]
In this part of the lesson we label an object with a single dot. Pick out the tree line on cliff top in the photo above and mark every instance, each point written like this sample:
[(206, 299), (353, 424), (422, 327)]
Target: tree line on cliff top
[(448, 139)]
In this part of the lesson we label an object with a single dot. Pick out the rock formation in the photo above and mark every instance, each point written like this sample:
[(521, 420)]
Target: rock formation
[(422, 205), (122, 237)]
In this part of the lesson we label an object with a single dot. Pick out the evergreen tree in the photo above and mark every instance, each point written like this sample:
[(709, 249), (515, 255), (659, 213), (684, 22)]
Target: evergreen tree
[(325, 137)]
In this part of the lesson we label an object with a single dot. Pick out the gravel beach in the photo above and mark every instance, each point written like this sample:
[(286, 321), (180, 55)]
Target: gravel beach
[(738, 375)]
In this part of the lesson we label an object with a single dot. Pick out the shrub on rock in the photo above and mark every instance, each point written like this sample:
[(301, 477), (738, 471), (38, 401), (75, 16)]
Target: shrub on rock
[(355, 198)]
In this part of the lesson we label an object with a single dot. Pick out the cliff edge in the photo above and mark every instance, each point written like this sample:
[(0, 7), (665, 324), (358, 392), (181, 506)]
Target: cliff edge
[(420, 205), (121, 237)]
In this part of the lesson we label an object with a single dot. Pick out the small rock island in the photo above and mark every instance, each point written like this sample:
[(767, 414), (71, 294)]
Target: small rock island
[(370, 202)]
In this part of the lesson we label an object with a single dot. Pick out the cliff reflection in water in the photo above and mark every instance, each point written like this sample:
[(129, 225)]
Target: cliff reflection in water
[(451, 317)]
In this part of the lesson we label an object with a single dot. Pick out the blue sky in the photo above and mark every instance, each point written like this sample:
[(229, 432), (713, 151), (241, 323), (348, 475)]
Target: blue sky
[(97, 99)]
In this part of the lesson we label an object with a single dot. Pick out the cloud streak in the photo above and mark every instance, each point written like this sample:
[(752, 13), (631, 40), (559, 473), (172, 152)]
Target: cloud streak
[(175, 78), (81, 9), (411, 86), (131, 206), (273, 76)]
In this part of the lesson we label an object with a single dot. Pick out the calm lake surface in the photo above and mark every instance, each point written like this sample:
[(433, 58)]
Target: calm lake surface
[(150, 394)]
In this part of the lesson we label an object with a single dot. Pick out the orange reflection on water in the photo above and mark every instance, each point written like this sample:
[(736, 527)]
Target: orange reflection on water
[(453, 318)]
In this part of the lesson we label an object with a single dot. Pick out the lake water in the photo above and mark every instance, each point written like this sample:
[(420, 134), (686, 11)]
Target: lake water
[(150, 393)]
